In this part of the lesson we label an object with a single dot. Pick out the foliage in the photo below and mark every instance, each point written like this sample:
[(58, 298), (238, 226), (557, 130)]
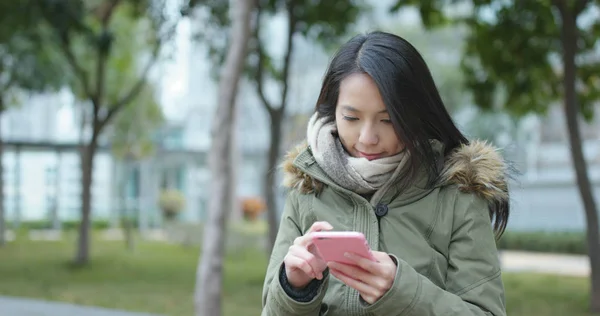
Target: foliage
[(323, 22), (512, 55), (133, 128), (171, 202), (131, 132), (519, 52), (550, 242), (27, 62), (65, 225), (103, 42)]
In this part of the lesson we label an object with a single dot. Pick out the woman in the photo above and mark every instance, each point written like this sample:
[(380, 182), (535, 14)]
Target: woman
[(384, 158)]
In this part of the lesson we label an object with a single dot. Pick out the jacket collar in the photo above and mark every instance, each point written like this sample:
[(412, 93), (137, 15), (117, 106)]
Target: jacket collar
[(476, 167)]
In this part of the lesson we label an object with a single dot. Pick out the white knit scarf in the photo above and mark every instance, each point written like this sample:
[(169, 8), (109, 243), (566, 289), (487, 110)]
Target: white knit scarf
[(358, 175)]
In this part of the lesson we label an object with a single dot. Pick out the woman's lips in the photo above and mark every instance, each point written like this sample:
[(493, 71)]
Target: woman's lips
[(370, 156)]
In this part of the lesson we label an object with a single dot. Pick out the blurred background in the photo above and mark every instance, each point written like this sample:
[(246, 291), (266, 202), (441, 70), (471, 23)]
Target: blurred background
[(108, 110)]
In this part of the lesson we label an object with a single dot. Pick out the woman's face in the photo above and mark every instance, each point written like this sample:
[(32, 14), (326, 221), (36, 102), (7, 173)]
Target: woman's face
[(363, 124)]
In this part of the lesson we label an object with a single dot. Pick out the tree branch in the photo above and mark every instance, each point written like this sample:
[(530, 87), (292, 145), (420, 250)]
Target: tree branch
[(5, 87), (260, 68), (107, 11), (100, 84), (288, 55), (65, 47), (104, 46), (81, 74), (137, 88), (580, 6)]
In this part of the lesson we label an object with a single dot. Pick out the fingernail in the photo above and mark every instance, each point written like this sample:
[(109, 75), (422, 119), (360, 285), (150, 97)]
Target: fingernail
[(347, 255)]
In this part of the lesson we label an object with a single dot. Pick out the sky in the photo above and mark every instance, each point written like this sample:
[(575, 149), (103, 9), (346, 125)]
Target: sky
[(175, 74)]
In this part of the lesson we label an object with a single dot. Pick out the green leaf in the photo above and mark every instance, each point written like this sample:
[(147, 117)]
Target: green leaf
[(132, 131), (511, 59), (28, 61)]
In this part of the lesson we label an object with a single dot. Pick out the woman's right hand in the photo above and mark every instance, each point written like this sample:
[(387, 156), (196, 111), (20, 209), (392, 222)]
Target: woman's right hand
[(302, 262)]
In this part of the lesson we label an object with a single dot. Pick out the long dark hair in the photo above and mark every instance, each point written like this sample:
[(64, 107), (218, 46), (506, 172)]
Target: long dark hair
[(410, 95)]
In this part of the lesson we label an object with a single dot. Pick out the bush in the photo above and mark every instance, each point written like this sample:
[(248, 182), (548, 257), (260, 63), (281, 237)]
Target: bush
[(554, 242), (65, 225), (252, 207), (171, 202)]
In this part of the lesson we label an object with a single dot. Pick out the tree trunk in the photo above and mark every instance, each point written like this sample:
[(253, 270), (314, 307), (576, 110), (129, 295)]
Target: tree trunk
[(17, 189), (271, 195), (122, 172), (88, 152), (569, 44), (127, 211), (2, 213), (54, 215), (209, 276)]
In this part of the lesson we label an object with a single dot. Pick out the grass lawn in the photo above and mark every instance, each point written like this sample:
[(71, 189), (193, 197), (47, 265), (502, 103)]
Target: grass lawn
[(159, 278)]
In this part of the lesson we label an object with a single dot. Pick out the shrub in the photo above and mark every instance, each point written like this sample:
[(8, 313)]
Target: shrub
[(171, 202), (540, 241), (65, 225), (252, 207)]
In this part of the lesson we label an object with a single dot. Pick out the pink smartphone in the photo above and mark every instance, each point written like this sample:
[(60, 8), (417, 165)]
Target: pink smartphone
[(332, 245)]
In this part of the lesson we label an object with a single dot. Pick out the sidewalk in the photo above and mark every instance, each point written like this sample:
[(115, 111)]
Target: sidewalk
[(518, 261), (14, 306)]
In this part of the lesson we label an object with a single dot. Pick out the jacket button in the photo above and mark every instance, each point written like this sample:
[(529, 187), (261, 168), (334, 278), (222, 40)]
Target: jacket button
[(381, 210)]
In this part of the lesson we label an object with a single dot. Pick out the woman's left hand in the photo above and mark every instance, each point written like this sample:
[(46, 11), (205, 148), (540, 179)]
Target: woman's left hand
[(371, 279)]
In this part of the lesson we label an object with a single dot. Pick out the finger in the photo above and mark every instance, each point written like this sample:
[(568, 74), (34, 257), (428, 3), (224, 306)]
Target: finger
[(303, 241), (319, 226), (382, 257), (370, 299), (313, 250), (293, 262), (306, 240), (381, 280), (354, 272), (361, 287), (310, 258), (388, 264), (365, 263)]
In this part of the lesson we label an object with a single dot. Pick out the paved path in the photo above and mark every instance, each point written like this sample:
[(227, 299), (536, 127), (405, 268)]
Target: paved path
[(517, 261), (12, 306)]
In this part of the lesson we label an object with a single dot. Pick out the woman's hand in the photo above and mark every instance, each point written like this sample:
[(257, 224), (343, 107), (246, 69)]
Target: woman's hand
[(371, 279), (302, 263)]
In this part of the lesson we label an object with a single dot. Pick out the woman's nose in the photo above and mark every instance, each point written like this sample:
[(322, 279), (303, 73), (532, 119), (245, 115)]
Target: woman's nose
[(368, 136)]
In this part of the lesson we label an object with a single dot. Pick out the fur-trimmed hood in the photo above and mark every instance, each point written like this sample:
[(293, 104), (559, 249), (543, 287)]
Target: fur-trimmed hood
[(476, 168)]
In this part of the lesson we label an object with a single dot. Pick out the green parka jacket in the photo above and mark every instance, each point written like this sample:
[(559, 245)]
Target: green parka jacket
[(441, 238)]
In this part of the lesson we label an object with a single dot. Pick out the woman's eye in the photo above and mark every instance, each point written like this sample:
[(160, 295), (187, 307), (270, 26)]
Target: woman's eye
[(388, 121), (350, 118)]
